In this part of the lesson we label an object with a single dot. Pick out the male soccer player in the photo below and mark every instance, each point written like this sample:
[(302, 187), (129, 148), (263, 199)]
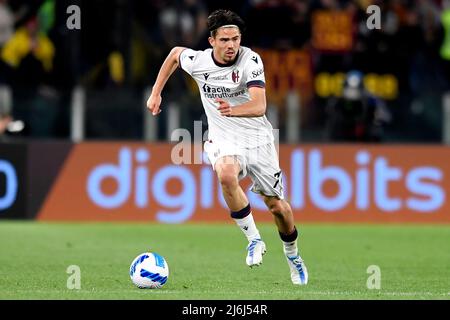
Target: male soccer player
[(240, 142)]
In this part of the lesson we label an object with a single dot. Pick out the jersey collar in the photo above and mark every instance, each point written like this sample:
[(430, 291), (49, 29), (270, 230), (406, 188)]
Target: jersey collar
[(217, 63)]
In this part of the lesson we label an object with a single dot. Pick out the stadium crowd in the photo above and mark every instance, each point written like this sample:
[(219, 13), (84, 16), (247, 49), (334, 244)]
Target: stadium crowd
[(121, 44)]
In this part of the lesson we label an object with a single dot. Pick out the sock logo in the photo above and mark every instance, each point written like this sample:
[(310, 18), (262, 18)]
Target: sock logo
[(245, 228)]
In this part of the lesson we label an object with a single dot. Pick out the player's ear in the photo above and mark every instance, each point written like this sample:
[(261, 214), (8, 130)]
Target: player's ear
[(211, 41)]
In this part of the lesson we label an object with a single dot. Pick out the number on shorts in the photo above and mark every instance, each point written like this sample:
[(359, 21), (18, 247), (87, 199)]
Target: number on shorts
[(278, 176)]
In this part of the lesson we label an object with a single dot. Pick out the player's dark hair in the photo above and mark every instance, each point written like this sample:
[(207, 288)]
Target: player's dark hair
[(221, 18)]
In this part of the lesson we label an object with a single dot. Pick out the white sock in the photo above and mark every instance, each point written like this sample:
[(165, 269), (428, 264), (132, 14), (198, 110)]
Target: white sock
[(248, 227), (290, 248)]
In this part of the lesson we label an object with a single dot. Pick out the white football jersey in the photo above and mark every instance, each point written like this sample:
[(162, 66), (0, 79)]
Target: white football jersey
[(229, 82)]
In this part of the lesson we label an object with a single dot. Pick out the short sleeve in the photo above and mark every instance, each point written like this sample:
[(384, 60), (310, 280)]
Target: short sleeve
[(254, 70), (187, 60)]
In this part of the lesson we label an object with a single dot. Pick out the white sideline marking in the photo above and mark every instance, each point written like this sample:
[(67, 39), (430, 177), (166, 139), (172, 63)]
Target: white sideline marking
[(300, 293)]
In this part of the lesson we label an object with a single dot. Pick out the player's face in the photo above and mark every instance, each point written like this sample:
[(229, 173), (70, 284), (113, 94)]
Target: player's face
[(226, 44)]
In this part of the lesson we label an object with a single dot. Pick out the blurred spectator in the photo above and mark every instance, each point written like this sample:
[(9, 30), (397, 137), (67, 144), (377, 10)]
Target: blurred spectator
[(5, 119), (183, 23), (105, 42), (29, 56), (29, 52), (6, 31), (445, 46), (444, 49), (5, 109), (6, 22), (122, 42), (24, 10), (270, 23), (357, 115)]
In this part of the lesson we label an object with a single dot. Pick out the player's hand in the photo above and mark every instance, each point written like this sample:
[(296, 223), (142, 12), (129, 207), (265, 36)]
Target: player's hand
[(153, 104), (224, 107)]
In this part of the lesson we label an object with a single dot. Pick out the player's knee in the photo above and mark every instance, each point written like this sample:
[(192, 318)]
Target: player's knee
[(277, 209), (228, 179)]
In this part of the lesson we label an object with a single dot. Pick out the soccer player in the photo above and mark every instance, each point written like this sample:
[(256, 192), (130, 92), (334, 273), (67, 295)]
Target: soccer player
[(240, 142)]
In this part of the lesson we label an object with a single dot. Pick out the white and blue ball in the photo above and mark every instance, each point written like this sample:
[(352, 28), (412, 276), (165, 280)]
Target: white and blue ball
[(149, 271)]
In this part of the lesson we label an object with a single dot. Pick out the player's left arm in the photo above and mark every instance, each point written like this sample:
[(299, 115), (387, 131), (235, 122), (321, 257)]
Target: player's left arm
[(256, 107)]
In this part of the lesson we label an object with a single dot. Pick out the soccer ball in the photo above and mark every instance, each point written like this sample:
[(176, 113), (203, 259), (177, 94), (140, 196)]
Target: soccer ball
[(149, 271)]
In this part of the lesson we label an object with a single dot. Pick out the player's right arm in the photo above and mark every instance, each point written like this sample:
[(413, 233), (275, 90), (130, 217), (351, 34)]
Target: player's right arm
[(168, 67)]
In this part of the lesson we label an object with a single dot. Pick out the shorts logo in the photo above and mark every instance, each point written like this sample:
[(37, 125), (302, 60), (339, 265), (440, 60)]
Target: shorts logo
[(235, 76)]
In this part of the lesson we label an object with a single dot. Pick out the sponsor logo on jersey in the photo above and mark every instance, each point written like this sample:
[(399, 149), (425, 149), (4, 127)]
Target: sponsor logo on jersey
[(220, 92), (256, 73), (209, 89), (224, 77), (235, 76)]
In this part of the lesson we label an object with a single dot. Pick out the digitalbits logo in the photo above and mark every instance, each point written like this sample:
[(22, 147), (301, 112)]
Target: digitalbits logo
[(363, 182), (134, 175), (11, 185), (370, 178)]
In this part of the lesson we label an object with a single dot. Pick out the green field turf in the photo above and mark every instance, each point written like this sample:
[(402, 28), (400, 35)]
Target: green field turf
[(207, 261)]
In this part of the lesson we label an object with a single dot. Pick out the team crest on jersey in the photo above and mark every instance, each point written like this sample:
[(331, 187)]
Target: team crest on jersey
[(235, 76)]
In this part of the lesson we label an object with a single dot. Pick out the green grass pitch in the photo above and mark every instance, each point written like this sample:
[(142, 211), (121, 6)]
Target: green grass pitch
[(207, 261)]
